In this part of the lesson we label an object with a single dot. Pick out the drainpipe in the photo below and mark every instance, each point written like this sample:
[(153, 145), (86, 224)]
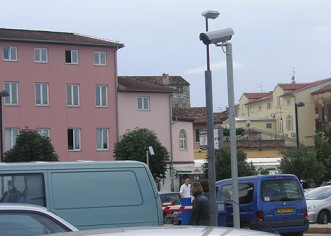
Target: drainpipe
[(171, 147), (116, 95)]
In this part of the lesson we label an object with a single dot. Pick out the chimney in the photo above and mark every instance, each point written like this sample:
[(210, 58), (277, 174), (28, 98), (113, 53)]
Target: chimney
[(165, 79)]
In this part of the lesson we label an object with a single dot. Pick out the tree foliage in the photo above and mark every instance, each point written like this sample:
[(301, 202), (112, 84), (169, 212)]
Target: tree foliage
[(239, 131), (323, 151), (133, 146), (31, 146), (223, 164), (303, 163)]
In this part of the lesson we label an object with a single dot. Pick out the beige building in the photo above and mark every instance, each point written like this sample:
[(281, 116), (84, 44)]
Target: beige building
[(273, 114)]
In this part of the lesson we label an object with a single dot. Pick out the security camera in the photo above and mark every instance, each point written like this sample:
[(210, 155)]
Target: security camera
[(217, 36)]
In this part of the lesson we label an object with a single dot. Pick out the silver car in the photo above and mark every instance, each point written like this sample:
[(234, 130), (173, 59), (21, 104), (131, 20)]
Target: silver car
[(319, 205), (26, 220)]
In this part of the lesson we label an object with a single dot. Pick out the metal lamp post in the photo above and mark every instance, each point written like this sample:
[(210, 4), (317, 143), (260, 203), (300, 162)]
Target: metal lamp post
[(2, 94), (210, 129), (296, 105)]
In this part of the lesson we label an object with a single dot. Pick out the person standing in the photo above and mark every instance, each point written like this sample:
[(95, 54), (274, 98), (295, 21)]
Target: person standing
[(185, 189), (200, 207), (205, 187)]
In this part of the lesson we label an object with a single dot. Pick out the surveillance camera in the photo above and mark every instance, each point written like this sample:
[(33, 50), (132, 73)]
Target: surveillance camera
[(217, 36)]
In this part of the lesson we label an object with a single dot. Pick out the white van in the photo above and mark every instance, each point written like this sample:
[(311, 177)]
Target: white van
[(89, 195)]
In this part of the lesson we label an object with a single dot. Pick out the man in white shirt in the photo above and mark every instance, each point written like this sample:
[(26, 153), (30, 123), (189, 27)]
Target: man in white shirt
[(185, 189)]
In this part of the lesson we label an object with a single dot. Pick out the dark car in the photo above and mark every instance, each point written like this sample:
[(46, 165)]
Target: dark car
[(174, 199)]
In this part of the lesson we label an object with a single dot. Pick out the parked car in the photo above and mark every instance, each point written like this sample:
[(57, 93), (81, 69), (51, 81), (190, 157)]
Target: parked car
[(319, 205), (167, 197), (166, 230), (267, 203), (26, 220)]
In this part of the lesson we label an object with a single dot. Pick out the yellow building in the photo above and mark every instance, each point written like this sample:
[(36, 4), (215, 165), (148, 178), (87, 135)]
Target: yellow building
[(273, 114)]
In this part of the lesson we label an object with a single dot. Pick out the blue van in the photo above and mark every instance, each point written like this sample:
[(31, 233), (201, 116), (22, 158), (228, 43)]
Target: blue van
[(87, 194), (267, 203)]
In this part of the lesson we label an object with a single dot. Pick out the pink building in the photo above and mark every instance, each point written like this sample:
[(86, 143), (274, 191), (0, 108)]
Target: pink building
[(63, 85), (149, 106)]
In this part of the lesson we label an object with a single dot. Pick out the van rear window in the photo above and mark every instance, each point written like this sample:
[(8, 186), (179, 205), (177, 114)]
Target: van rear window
[(23, 188), (281, 190), (99, 189), (245, 191)]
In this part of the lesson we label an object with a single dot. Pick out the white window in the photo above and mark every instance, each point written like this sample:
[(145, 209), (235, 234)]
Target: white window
[(280, 124), (40, 55), (74, 139), (289, 122), (12, 89), (269, 125), (278, 101), (288, 101), (102, 139), (71, 56), (10, 53), (72, 95), (11, 135), (182, 140), (100, 58), (243, 109), (143, 103), (260, 107), (269, 105), (41, 94), (44, 132), (101, 97)]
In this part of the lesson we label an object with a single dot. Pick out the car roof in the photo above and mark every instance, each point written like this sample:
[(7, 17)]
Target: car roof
[(169, 230), (34, 208)]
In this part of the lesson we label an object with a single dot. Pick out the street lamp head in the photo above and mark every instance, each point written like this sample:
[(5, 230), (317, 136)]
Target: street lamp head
[(210, 14), (4, 93), (217, 36)]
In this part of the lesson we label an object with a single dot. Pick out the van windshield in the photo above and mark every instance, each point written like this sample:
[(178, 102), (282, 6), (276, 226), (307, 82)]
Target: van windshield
[(281, 190)]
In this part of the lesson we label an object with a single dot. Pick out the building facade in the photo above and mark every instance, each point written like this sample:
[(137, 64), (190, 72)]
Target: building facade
[(64, 86)]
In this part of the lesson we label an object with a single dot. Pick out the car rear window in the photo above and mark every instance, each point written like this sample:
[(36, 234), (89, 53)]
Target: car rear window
[(166, 197), (245, 191), (281, 190)]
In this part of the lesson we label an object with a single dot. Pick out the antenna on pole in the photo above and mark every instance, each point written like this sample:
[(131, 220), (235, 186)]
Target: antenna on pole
[(293, 76)]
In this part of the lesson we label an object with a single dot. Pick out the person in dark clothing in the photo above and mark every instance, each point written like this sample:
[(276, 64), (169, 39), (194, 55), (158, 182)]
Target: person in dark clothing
[(205, 187), (200, 206), (12, 195)]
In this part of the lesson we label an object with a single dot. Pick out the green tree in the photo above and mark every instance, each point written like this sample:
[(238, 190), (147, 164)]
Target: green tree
[(223, 164), (323, 151), (133, 146), (239, 131), (303, 163), (30, 146)]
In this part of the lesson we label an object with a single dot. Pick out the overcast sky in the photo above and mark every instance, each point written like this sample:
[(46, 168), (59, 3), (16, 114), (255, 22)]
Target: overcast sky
[(162, 36)]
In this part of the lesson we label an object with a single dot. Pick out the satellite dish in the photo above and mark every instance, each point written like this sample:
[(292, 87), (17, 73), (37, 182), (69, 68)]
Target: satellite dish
[(248, 123)]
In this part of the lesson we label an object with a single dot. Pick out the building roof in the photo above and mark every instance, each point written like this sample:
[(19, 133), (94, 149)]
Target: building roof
[(322, 89), (256, 95), (267, 97), (198, 114), (173, 80), (307, 86), (53, 37), (293, 86), (130, 85)]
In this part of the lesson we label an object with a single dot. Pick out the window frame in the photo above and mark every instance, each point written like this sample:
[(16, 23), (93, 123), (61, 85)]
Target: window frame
[(100, 136), (10, 58), (39, 51), (73, 95), (143, 108), (41, 93), (100, 89), (9, 99), (72, 51), (44, 132), (182, 140), (13, 133), (74, 139), (99, 58)]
